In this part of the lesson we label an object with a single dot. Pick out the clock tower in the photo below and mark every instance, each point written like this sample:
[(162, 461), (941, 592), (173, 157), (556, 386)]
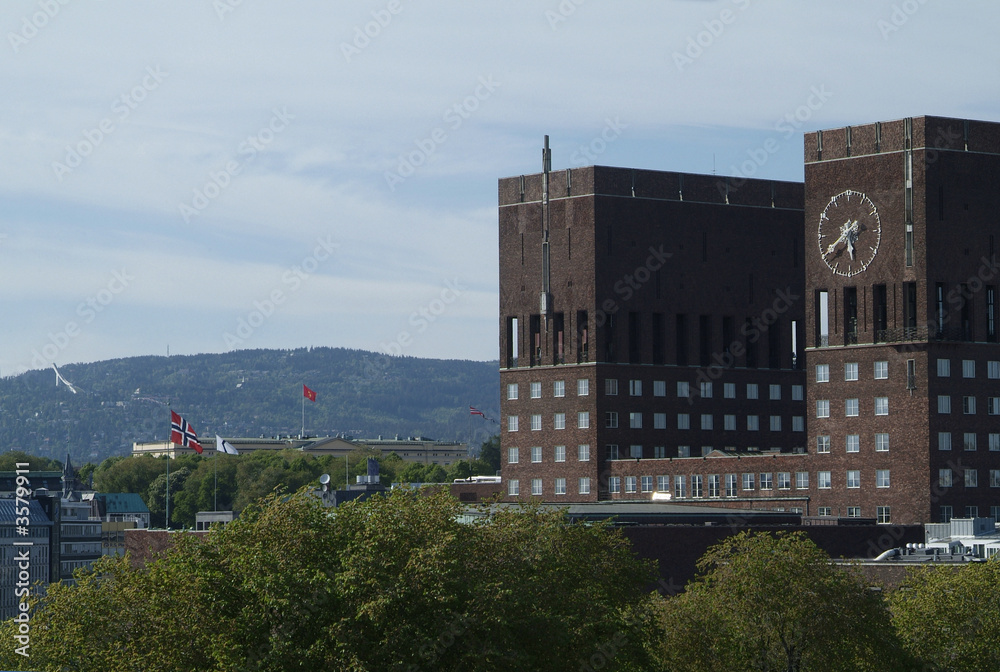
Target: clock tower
[(902, 361)]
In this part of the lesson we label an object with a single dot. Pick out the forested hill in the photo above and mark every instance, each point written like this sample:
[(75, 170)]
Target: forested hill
[(245, 393)]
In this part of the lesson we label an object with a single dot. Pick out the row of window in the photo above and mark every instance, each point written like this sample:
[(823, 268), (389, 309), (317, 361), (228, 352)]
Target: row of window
[(969, 441), (883, 514), (852, 443), (852, 407), (705, 390), (558, 454), (559, 486), (851, 371), (558, 389), (968, 405), (635, 421), (946, 513), (968, 369), (946, 478)]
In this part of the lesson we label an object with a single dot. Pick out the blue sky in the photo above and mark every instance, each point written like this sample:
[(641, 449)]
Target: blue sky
[(207, 175)]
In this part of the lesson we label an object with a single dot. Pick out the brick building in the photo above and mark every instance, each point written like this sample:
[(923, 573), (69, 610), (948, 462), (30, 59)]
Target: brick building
[(662, 334)]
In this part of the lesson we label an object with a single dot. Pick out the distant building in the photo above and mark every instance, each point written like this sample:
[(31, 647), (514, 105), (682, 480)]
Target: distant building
[(205, 519), (12, 565), (120, 507)]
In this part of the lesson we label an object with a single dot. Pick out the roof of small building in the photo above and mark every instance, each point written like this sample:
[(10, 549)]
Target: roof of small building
[(36, 515), (123, 502)]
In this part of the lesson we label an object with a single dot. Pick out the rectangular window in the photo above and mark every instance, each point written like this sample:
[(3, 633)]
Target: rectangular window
[(944, 514), (659, 452), (851, 408), (536, 390), (729, 423), (881, 370), (729, 390), (696, 486), (944, 440), (536, 487), (680, 487), (881, 478), (611, 419), (881, 405), (822, 408), (683, 389), (971, 478), (635, 388), (823, 480), (753, 422), (511, 423), (635, 420), (513, 487), (797, 392), (705, 389), (943, 368), (663, 484), (559, 454), (748, 481), (995, 514), (659, 388), (993, 370), (798, 423), (784, 480), (559, 421), (683, 451), (972, 511), (775, 423), (630, 484), (731, 485), (853, 478), (512, 455), (683, 421), (994, 441), (824, 511), (944, 403), (993, 405), (995, 478), (583, 420), (969, 440), (646, 484), (822, 373), (851, 371), (752, 392), (583, 387), (536, 422), (968, 368), (560, 486), (714, 485), (969, 405), (944, 478), (854, 512), (774, 392), (822, 444), (612, 451), (853, 443), (611, 387), (511, 391), (536, 454), (801, 480), (635, 451), (706, 421), (883, 515), (584, 485), (659, 420), (583, 452), (882, 442), (766, 482), (614, 484), (559, 388)]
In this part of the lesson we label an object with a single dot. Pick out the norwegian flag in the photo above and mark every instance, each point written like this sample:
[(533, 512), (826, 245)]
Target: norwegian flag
[(182, 433), (475, 411)]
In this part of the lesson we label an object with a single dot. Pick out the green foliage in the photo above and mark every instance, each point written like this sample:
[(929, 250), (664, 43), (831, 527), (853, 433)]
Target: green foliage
[(393, 583), (767, 602), (489, 453), (948, 616), (10, 459)]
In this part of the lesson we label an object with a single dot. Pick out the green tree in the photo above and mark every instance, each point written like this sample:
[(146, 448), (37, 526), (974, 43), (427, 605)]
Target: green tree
[(766, 603), (489, 453), (10, 459), (948, 616)]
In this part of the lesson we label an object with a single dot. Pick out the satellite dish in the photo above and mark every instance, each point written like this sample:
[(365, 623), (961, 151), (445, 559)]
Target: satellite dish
[(324, 479)]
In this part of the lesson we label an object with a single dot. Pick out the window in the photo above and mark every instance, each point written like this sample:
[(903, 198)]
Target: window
[(851, 371), (853, 478), (696, 486), (881, 405), (559, 454), (513, 487), (824, 511), (882, 442), (944, 514), (784, 480), (801, 480), (559, 388), (659, 452), (536, 487), (729, 423), (680, 489), (881, 370), (559, 421), (659, 420), (560, 486), (766, 482), (797, 392), (944, 403), (823, 480), (995, 478), (635, 420), (512, 455), (753, 422), (536, 422), (683, 421), (583, 387), (968, 368), (731, 485), (683, 451), (972, 511), (635, 388), (995, 513), (663, 484), (659, 388), (851, 408), (774, 392), (583, 452), (748, 481), (511, 423), (511, 390), (969, 405), (584, 485), (993, 406), (706, 390), (944, 368), (822, 373), (683, 389), (611, 387), (615, 484), (798, 423), (536, 453), (729, 390), (883, 515), (706, 421), (775, 423), (994, 441), (646, 484), (944, 440), (993, 370), (630, 484), (854, 512), (853, 443), (971, 478), (611, 419), (752, 391), (822, 408), (944, 478), (714, 485), (635, 451), (822, 444), (536, 390), (969, 440), (583, 420), (612, 451), (881, 478)]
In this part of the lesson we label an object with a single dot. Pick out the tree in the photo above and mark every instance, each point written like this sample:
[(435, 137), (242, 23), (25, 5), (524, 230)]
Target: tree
[(10, 459), (489, 453), (947, 616), (766, 602)]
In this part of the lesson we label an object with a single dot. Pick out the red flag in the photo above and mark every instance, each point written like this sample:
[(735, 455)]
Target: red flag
[(308, 394), (182, 433), (475, 411)]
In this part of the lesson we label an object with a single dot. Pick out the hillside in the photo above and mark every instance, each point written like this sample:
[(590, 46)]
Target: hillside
[(245, 393)]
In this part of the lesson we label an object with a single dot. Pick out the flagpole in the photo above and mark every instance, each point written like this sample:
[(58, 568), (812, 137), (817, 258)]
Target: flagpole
[(215, 461), (167, 521), (302, 434)]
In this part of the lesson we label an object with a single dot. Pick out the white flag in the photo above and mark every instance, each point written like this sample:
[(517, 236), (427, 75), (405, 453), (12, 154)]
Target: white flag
[(224, 446)]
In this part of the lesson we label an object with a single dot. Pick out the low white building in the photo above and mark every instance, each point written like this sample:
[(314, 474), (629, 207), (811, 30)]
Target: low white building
[(974, 538)]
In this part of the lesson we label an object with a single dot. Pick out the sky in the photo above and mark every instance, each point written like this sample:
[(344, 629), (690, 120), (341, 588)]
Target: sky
[(190, 176)]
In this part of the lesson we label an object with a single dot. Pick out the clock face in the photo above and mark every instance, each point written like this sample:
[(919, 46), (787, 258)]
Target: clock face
[(849, 233)]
